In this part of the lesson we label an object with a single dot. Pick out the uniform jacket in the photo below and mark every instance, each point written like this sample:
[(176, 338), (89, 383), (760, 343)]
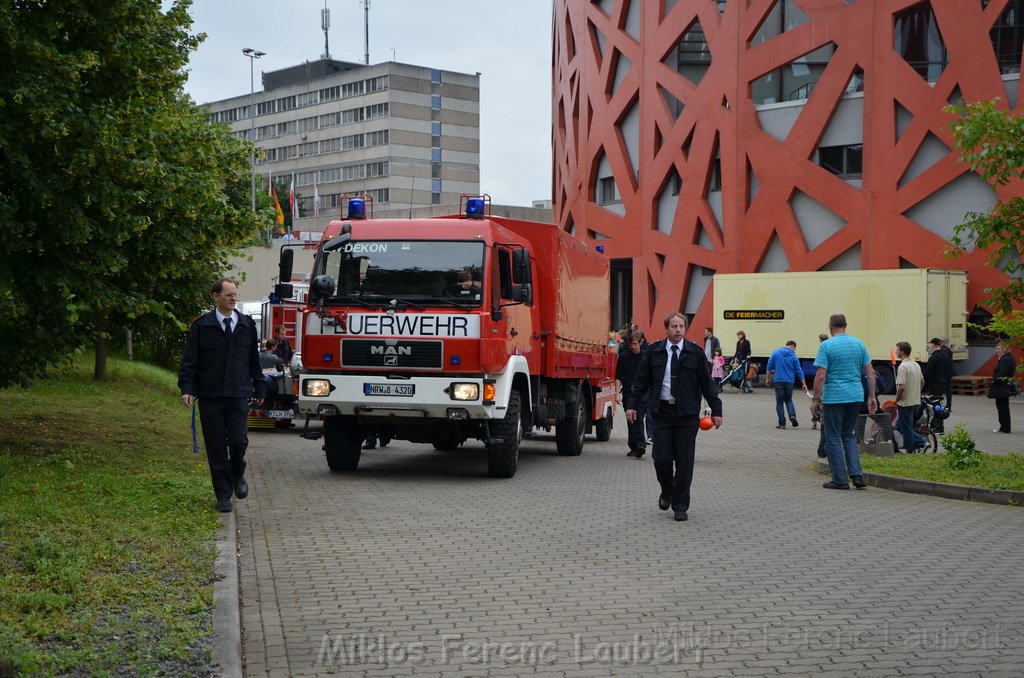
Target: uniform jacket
[(694, 381), (216, 365), (625, 368), (937, 372), (1002, 375)]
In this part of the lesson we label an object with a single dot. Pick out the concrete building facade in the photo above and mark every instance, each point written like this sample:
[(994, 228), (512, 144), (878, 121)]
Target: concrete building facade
[(408, 136), (701, 136)]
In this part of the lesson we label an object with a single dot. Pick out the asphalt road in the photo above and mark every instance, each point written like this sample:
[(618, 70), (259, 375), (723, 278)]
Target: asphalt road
[(419, 564)]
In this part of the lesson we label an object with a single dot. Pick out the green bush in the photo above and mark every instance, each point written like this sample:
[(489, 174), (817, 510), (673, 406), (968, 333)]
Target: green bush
[(961, 452)]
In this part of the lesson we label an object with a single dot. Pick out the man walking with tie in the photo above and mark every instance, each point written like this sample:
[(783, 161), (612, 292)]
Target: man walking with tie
[(220, 368), (670, 382)]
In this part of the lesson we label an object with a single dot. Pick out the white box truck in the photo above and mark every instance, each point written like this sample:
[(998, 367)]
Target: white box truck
[(882, 307)]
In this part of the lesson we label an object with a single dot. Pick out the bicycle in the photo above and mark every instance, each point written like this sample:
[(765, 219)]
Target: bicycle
[(930, 412)]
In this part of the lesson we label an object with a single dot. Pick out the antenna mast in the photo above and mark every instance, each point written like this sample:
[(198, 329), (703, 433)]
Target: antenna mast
[(366, 31), (325, 24)]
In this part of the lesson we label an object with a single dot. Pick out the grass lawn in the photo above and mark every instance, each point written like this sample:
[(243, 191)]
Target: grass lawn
[(108, 524), (996, 472)]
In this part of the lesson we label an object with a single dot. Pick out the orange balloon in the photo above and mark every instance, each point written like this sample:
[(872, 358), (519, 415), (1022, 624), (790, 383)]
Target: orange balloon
[(706, 424)]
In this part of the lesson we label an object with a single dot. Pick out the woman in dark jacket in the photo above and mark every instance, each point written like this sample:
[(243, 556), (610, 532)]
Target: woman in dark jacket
[(1002, 386), (741, 356)]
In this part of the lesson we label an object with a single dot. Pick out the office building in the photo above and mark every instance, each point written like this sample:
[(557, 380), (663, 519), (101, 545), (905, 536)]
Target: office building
[(407, 136)]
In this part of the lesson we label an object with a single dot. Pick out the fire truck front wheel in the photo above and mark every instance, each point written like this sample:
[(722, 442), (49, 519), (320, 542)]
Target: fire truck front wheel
[(342, 443), (503, 456)]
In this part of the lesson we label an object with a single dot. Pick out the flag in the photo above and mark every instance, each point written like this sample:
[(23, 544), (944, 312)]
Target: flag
[(278, 214), (316, 199), (291, 199)]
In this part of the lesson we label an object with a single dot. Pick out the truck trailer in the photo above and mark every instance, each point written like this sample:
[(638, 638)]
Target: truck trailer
[(441, 330), (882, 307)]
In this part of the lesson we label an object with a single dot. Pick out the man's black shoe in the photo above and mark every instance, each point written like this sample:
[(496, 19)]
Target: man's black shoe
[(241, 488), (224, 505), (858, 482), (664, 502), (832, 485), (681, 515), (632, 453), (794, 422)]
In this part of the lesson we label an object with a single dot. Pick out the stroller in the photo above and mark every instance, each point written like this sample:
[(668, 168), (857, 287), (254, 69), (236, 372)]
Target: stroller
[(740, 375)]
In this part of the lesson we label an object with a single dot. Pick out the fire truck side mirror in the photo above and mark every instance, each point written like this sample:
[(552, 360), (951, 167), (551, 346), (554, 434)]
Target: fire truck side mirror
[(283, 289), (523, 293)]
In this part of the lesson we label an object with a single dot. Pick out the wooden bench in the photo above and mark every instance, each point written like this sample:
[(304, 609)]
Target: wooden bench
[(971, 386)]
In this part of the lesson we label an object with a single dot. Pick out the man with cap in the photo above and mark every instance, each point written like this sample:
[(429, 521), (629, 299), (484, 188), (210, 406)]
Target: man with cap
[(938, 372)]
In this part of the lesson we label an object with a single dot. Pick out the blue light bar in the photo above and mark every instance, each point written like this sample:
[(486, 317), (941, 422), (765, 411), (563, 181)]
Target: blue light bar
[(474, 208), (599, 248), (356, 208)]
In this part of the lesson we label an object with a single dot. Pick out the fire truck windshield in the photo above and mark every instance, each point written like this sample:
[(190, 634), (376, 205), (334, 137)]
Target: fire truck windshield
[(407, 270)]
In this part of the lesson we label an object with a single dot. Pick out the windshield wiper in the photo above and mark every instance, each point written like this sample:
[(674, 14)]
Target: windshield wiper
[(448, 302), (354, 300)]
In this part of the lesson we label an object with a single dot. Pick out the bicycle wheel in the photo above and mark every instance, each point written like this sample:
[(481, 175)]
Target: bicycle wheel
[(930, 438)]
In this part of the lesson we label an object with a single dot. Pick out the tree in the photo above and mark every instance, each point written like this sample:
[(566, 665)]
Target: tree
[(991, 140), (122, 202)]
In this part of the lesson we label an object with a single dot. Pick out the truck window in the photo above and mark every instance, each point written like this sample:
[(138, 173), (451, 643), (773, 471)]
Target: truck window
[(406, 270)]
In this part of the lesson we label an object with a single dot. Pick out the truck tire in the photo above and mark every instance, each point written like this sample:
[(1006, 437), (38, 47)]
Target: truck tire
[(343, 441), (603, 429), (569, 432), (502, 457)]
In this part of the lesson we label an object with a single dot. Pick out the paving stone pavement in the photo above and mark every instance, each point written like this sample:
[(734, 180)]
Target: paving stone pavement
[(419, 564)]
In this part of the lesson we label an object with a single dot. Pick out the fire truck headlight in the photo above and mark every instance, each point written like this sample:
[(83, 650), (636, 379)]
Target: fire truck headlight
[(464, 391), (316, 388)]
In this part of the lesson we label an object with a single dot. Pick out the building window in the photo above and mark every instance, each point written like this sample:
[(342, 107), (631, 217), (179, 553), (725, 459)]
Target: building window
[(378, 138), (1008, 37), (330, 93), (306, 125), (330, 145), (435, 170), (435, 198), (352, 115), (352, 141), (330, 120), (843, 161), (609, 192), (308, 148), (435, 155), (377, 111), (285, 128), (715, 183), (435, 102), (352, 89), (266, 107), (378, 84), (693, 57), (916, 38), (331, 175)]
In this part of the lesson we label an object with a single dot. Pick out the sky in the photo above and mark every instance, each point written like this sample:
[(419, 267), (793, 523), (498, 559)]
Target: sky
[(507, 41)]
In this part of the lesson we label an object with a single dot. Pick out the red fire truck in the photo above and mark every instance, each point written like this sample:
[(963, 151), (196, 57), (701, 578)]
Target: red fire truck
[(446, 329)]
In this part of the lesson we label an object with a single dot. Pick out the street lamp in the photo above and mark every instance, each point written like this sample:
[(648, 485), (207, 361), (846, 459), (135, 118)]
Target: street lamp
[(253, 54)]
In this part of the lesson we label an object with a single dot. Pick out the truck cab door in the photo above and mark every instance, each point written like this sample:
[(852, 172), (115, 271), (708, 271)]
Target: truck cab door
[(513, 294)]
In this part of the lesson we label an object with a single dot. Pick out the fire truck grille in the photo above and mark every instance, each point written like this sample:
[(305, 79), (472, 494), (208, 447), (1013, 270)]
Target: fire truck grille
[(392, 354)]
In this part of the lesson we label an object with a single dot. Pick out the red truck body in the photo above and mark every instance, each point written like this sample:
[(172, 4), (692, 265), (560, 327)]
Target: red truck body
[(395, 344)]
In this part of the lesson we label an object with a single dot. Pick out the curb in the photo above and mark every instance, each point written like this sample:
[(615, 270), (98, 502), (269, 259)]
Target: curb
[(943, 490), (227, 630)]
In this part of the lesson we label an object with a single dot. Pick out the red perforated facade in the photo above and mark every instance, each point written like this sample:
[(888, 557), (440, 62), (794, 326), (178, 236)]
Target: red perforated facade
[(703, 136)]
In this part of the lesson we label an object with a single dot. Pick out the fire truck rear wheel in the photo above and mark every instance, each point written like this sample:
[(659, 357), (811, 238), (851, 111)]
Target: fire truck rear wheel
[(569, 432), (502, 457), (342, 443)]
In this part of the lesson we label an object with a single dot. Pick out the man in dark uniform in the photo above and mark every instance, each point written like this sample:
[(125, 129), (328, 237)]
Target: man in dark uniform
[(938, 372), (625, 370), (221, 368), (670, 382)]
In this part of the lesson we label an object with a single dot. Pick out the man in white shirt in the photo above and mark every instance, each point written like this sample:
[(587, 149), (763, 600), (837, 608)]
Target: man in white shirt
[(909, 381)]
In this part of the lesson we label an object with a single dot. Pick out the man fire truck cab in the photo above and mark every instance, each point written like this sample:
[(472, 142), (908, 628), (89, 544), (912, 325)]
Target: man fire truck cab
[(440, 330)]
